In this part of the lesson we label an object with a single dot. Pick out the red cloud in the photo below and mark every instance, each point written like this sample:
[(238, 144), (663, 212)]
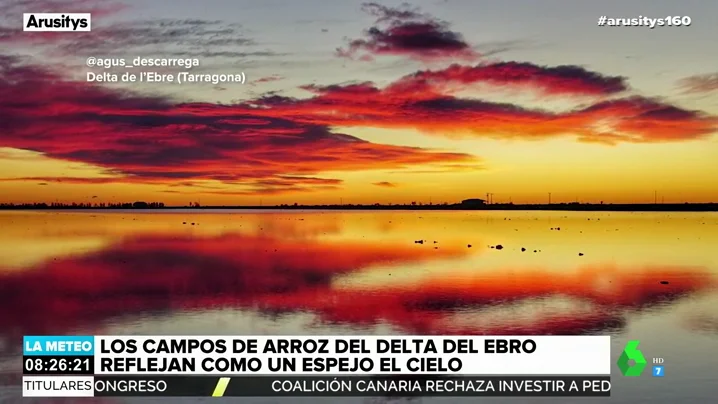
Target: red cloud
[(146, 139), (274, 144), (703, 83), (558, 80), (408, 33), (267, 79), (633, 119), (385, 184), (68, 180)]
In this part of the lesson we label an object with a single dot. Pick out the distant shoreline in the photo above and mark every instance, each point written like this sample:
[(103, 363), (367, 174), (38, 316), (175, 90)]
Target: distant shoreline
[(570, 207)]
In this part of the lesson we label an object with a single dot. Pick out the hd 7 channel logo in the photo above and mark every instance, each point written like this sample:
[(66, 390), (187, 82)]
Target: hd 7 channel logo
[(632, 362)]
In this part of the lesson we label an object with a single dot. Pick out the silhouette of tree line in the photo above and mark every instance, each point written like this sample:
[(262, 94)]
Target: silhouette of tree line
[(88, 205), (568, 206)]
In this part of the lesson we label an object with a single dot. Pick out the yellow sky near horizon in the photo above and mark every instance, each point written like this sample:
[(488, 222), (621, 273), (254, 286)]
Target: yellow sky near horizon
[(518, 172)]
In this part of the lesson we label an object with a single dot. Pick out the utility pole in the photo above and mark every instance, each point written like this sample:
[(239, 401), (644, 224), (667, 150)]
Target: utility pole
[(655, 197), (549, 198)]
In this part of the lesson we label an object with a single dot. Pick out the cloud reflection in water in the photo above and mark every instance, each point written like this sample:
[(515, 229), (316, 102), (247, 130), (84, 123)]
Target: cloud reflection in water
[(182, 273)]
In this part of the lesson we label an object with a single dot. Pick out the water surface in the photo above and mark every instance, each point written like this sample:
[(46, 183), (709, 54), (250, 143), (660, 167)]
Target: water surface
[(647, 276)]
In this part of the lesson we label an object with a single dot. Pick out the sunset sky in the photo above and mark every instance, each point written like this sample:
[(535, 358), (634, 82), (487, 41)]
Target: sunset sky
[(388, 102)]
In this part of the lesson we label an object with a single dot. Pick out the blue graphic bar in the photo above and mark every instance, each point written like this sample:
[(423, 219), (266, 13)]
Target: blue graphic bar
[(58, 345)]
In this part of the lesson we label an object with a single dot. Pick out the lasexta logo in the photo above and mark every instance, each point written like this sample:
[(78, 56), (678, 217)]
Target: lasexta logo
[(631, 353)]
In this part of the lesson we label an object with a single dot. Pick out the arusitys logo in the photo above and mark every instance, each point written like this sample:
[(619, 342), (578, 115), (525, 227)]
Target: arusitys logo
[(57, 22), (631, 353)]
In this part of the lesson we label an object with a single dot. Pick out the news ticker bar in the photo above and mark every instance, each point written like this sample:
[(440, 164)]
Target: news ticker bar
[(316, 386)]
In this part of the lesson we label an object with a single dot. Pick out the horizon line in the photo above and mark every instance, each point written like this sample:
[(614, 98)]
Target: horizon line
[(566, 206)]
